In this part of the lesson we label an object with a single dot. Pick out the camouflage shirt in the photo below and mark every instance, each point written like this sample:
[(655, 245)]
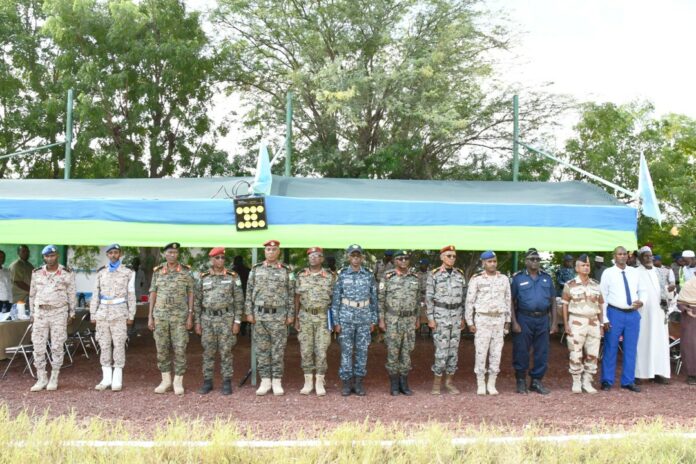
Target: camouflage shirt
[(270, 292), (488, 295), (173, 288), (53, 290), (445, 293), (583, 299), (219, 292), (114, 294), (315, 289), (398, 293), (354, 286)]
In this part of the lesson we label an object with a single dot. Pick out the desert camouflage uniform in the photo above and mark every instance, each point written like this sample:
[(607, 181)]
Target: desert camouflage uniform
[(112, 304), (170, 313), (270, 299), (398, 297), (315, 290), (488, 301), (218, 303), (444, 297), (53, 299), (584, 307)]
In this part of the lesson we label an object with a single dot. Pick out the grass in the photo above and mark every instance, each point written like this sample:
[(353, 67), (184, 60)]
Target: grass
[(29, 438)]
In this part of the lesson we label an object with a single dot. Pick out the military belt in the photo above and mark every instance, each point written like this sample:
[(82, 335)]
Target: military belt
[(217, 312), (314, 311), (535, 313), (403, 313), (447, 306), (593, 317), (355, 304), (490, 314), (267, 310), (45, 306), (112, 301)]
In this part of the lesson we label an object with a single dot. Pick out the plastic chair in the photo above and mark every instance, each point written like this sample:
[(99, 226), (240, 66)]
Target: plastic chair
[(26, 350)]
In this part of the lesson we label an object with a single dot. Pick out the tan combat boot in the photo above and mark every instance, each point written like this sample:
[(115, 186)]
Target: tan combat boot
[(437, 381), (277, 387), (264, 388), (480, 384), (53, 381), (449, 386), (587, 383), (307, 389), (165, 384), (41, 381), (106, 379), (491, 384), (178, 384), (577, 384), (321, 391), (117, 380)]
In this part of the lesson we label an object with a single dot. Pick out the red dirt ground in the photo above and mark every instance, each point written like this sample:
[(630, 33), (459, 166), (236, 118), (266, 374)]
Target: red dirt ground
[(270, 416)]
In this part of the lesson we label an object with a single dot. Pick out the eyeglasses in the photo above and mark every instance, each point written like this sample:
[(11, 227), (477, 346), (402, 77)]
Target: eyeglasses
[(450, 256), (219, 257)]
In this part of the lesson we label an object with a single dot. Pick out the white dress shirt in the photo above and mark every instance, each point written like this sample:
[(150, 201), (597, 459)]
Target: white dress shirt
[(5, 285), (614, 291)]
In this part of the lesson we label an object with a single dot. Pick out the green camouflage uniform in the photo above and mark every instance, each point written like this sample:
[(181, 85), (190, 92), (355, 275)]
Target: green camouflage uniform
[(218, 303), (170, 313), (315, 290)]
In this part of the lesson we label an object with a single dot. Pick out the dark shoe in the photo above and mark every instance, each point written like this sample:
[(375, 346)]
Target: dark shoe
[(346, 389), (358, 386), (522, 386), (403, 386), (691, 380), (632, 386), (638, 382), (661, 380), (394, 385), (606, 386), (207, 387), (537, 386), (227, 387)]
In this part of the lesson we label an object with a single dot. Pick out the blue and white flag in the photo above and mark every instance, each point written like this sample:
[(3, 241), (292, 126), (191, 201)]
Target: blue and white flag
[(646, 192), (263, 178)]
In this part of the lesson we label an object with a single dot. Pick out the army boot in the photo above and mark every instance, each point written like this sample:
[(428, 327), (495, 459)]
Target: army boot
[(53, 381), (491, 384), (537, 386), (587, 383), (358, 386), (277, 387), (106, 379), (480, 384), (178, 384), (319, 387), (403, 385), (41, 381), (264, 388), (437, 381), (449, 386), (577, 385), (207, 387), (522, 385), (117, 379), (347, 388), (227, 386), (165, 384), (307, 389), (394, 385)]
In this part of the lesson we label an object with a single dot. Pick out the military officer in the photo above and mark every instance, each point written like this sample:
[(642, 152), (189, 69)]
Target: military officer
[(398, 297), (533, 296), (354, 311), (444, 298), (582, 319), (112, 308), (218, 306), (312, 303), (487, 314), (269, 306), (171, 316), (53, 301)]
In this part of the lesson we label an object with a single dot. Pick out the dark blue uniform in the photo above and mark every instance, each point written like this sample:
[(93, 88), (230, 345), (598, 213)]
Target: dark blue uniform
[(532, 298)]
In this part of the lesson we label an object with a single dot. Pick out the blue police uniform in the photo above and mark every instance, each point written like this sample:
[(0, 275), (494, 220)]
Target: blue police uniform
[(532, 298)]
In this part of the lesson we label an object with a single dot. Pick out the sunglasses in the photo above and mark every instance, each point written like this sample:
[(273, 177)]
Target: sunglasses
[(450, 256), (219, 257)]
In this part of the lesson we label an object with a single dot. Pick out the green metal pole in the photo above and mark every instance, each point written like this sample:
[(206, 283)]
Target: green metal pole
[(288, 135), (254, 260), (515, 155), (68, 135)]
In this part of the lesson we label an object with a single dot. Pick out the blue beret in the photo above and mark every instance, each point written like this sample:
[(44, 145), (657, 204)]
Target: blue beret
[(388, 252), (113, 246), (487, 255), (568, 258), (401, 253), (48, 249), (657, 258), (353, 248), (424, 261)]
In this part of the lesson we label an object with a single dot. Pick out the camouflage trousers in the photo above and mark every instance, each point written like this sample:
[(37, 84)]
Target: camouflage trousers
[(216, 337), (488, 341), (171, 336), (584, 340), (400, 338), (270, 339), (52, 322), (446, 340), (112, 332), (314, 338), (353, 338)]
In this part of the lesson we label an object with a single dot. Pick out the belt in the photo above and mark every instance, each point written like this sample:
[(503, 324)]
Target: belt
[(489, 314), (314, 311), (447, 306), (267, 310), (355, 304), (403, 313), (113, 301), (535, 313), (45, 306), (216, 312), (629, 310)]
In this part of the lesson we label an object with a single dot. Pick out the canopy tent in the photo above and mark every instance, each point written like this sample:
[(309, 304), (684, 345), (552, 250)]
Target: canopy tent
[(303, 212)]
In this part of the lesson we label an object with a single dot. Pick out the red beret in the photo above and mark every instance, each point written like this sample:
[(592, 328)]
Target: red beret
[(447, 248), (272, 243), (314, 250), (216, 251)]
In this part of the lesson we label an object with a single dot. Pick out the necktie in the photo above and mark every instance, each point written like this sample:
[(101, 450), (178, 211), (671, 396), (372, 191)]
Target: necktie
[(628, 290)]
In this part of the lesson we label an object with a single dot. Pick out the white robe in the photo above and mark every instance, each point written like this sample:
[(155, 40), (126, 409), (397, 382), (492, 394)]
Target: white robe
[(652, 357)]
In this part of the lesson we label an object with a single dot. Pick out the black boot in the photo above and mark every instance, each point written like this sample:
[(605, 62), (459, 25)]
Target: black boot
[(537, 386), (227, 387), (358, 386), (394, 385), (403, 385), (207, 387), (346, 390), (522, 385)]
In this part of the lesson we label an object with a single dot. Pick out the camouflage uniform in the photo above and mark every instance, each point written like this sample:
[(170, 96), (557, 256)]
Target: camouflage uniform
[(112, 304), (488, 301), (444, 298), (218, 304), (381, 268), (583, 318), (398, 297), (270, 298), (53, 299), (173, 288), (354, 308), (315, 291)]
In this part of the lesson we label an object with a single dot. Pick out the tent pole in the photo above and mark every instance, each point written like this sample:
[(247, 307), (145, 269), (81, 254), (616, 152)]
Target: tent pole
[(515, 156), (254, 260)]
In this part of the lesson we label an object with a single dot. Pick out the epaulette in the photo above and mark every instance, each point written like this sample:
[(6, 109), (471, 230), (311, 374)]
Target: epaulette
[(260, 263), (517, 273), (67, 269), (477, 274), (205, 274), (594, 281), (459, 270), (435, 271), (157, 268), (37, 269), (101, 268), (342, 269), (389, 274), (185, 266), (232, 273)]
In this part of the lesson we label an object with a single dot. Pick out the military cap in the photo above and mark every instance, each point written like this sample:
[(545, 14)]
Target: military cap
[(398, 253), (172, 246), (48, 249), (583, 258), (490, 254), (315, 250), (531, 252), (216, 251), (657, 258), (568, 257), (354, 248), (688, 254), (424, 261), (388, 252), (113, 246), (447, 248), (274, 243), (599, 259)]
